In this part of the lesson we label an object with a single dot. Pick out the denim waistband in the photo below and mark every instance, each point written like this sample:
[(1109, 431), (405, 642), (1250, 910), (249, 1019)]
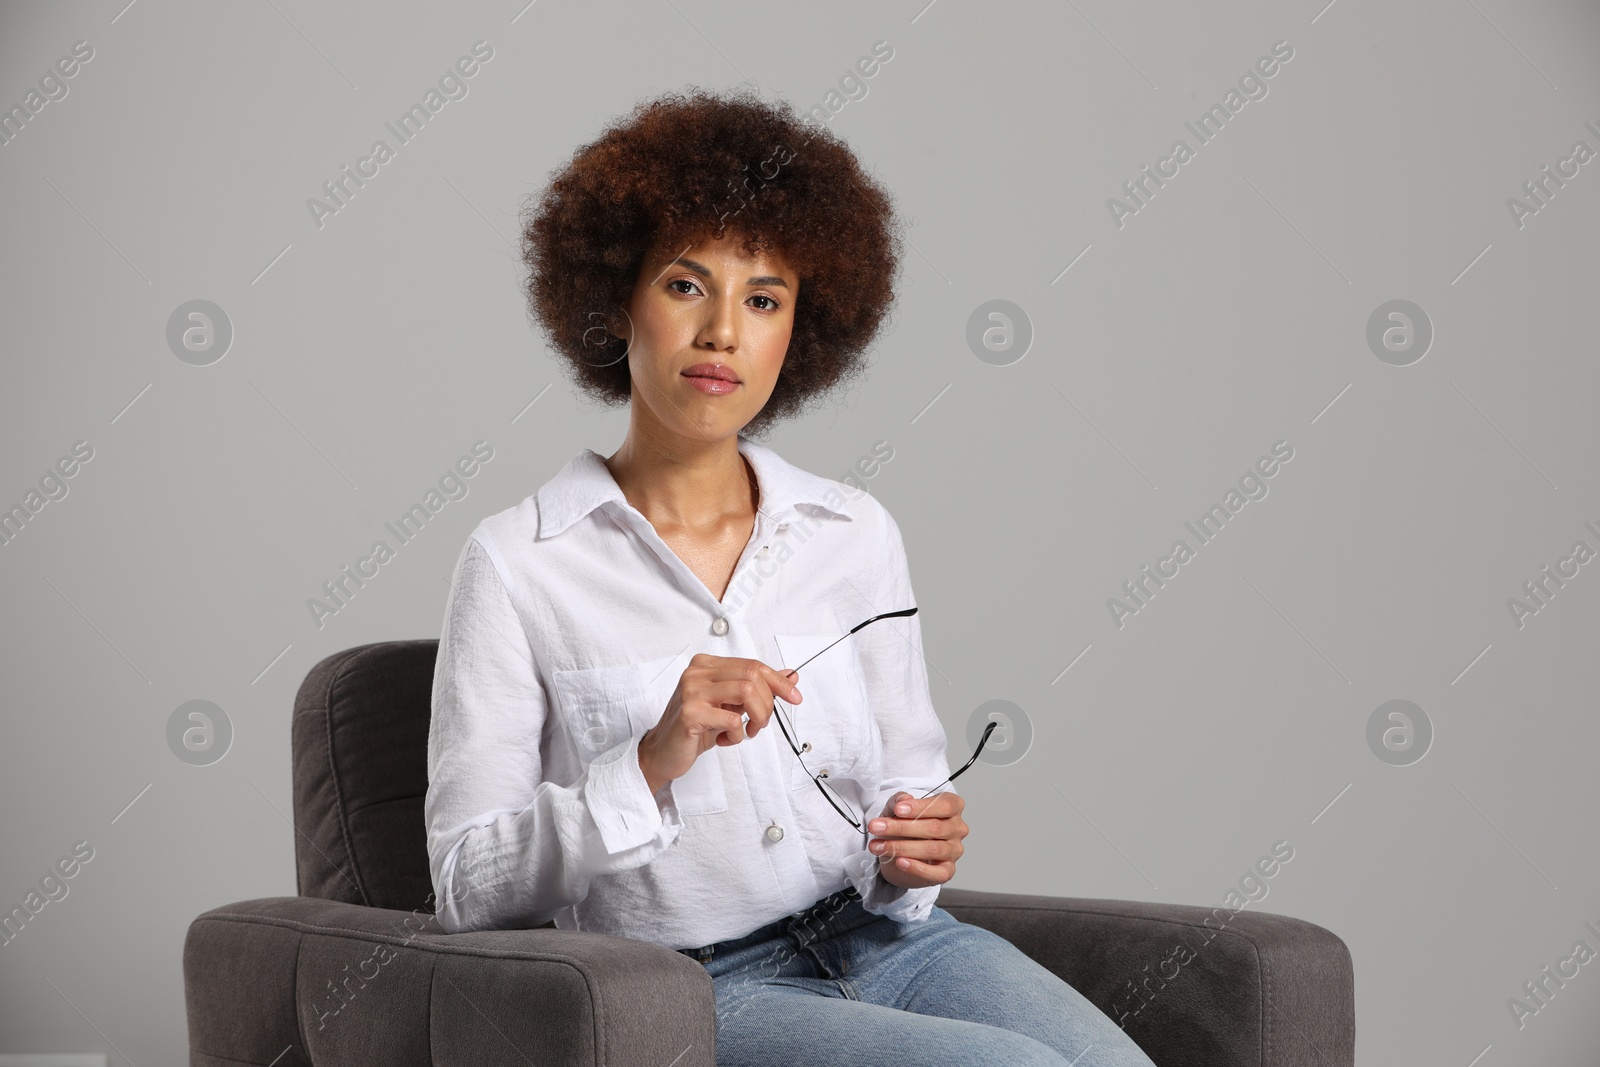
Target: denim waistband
[(828, 905)]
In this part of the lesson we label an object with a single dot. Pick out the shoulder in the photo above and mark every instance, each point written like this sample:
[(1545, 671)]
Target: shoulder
[(504, 537), (870, 513), (860, 527), (568, 494), (519, 522), (813, 495), (879, 525)]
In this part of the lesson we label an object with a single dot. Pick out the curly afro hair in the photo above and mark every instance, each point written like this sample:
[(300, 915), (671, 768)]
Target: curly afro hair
[(684, 167)]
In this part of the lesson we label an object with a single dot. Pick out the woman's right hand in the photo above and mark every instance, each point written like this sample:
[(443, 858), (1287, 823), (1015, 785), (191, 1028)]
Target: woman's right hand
[(706, 709)]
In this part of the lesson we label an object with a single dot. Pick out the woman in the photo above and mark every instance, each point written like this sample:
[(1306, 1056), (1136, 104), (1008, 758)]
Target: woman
[(616, 646)]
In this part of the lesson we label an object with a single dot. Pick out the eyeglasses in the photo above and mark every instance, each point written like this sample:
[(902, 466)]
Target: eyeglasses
[(839, 804)]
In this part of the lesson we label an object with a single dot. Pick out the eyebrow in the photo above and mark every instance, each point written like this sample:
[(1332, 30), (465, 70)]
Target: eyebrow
[(705, 272)]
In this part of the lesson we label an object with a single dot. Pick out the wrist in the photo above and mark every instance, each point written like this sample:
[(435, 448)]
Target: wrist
[(651, 779)]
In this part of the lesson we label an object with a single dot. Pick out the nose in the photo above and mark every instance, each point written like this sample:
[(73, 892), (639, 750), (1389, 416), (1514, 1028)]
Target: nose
[(720, 331)]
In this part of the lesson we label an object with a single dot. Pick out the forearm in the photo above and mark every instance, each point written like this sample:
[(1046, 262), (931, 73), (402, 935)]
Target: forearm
[(652, 779), (520, 867)]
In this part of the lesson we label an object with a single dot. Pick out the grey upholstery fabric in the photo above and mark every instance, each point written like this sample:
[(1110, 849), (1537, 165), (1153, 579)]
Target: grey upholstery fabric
[(337, 983), (1263, 989), (355, 971), (360, 740)]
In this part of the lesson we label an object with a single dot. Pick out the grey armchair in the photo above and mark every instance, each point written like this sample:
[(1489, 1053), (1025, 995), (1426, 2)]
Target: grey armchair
[(356, 971)]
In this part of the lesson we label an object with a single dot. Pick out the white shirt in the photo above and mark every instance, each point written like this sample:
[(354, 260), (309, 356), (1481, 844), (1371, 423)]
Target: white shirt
[(568, 625)]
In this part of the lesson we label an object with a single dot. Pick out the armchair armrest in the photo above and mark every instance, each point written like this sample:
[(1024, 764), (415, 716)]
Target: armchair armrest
[(290, 981), (1195, 987)]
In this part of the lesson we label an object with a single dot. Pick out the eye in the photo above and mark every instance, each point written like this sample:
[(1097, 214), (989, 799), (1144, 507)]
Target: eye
[(769, 300), (683, 281)]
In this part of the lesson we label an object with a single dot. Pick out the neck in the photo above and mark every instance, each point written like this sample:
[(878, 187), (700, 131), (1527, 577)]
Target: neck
[(684, 483)]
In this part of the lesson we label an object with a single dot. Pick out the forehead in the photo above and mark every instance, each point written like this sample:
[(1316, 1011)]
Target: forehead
[(723, 255)]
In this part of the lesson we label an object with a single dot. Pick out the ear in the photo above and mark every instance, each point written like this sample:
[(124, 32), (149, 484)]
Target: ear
[(620, 326)]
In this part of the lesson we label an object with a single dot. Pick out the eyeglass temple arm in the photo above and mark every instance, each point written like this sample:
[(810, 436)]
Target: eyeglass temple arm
[(987, 730), (903, 612)]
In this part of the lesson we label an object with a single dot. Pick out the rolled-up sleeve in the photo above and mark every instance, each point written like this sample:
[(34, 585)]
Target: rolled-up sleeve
[(914, 744), (505, 847)]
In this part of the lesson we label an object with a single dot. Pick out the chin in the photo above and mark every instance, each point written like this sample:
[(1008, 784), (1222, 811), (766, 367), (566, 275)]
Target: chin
[(713, 427)]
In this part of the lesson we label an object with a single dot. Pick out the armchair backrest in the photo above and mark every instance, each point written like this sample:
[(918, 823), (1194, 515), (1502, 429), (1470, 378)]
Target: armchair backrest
[(360, 742)]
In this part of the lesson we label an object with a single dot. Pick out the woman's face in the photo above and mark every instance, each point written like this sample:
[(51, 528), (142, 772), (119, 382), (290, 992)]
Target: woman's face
[(703, 311)]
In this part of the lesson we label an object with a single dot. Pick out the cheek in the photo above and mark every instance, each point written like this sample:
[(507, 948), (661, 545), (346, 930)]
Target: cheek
[(773, 369), (774, 349), (659, 330)]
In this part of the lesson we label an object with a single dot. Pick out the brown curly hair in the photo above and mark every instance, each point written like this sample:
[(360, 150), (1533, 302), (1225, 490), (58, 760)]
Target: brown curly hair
[(687, 166)]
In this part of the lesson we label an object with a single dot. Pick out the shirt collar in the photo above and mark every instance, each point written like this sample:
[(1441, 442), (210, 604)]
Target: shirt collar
[(585, 483)]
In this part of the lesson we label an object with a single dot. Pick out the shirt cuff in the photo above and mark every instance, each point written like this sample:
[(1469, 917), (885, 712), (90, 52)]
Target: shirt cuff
[(621, 803), (881, 898)]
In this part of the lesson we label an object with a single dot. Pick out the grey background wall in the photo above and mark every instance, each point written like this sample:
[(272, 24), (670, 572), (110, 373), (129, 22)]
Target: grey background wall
[(1148, 358)]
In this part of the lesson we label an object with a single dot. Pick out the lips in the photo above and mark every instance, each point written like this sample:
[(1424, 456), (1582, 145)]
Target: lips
[(716, 371)]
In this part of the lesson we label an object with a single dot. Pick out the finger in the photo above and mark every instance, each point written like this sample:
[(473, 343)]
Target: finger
[(932, 873), (936, 813), (739, 695), (756, 702), (783, 683), (921, 829), (777, 682), (928, 851), (938, 806), (730, 727)]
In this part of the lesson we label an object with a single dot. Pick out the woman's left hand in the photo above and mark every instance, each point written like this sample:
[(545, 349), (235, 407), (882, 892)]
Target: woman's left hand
[(920, 848)]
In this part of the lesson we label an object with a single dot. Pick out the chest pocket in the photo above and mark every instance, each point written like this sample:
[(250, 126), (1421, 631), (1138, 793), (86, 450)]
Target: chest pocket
[(603, 707), (833, 716)]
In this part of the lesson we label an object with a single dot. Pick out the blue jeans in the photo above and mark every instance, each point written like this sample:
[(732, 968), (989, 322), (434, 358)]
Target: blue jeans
[(835, 984)]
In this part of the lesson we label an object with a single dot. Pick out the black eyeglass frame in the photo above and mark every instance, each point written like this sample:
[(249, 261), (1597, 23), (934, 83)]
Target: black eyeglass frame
[(833, 799)]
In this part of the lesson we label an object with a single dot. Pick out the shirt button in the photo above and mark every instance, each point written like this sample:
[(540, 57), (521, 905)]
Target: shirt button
[(763, 553), (782, 526), (720, 627), (774, 832)]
